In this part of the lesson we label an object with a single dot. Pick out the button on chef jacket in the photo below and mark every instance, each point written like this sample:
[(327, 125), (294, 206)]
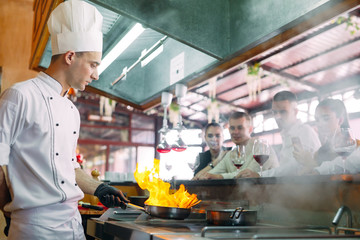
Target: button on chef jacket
[(38, 135)]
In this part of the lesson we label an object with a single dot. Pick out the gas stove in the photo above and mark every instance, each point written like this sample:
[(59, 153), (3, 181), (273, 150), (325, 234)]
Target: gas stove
[(142, 226)]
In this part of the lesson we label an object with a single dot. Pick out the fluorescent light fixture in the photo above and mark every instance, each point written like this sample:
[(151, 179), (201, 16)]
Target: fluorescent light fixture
[(153, 55), (121, 46)]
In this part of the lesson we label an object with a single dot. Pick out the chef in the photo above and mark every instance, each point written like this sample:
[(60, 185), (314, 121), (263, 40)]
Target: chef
[(39, 129)]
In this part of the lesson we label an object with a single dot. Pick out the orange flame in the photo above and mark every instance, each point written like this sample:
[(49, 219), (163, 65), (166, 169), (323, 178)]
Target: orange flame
[(160, 190)]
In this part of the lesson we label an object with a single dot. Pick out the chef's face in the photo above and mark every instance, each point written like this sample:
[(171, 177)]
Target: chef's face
[(83, 69), (327, 123), (284, 113), (240, 130), (214, 138)]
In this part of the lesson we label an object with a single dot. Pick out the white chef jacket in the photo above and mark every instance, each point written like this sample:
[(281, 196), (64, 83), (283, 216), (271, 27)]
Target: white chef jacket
[(288, 164), (227, 169), (352, 165), (38, 136)]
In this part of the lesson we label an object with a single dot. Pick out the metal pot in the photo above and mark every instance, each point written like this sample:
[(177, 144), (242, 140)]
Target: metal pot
[(231, 217), (163, 212)]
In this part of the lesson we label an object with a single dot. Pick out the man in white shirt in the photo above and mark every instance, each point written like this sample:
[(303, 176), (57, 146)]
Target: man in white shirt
[(284, 107), (39, 129), (240, 128)]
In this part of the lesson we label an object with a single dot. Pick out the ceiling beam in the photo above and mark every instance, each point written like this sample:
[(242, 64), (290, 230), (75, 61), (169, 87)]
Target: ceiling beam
[(331, 66), (222, 101), (321, 53), (264, 89), (342, 85), (309, 86)]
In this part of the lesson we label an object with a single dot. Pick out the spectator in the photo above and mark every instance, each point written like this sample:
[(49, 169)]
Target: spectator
[(284, 107), (240, 127), (330, 115), (207, 160)]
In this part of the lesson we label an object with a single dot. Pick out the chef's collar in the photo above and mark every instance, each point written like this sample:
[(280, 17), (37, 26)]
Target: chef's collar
[(51, 82)]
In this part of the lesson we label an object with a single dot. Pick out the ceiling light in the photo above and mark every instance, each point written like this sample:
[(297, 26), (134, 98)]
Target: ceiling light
[(153, 55), (146, 56), (121, 46)]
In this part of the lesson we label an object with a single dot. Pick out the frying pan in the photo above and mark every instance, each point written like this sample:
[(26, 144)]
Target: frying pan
[(163, 212)]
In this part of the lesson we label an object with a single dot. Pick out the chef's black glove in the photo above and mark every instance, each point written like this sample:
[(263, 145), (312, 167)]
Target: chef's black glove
[(110, 196), (7, 227)]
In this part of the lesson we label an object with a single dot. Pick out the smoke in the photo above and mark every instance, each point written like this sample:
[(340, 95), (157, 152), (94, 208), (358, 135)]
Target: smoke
[(291, 201)]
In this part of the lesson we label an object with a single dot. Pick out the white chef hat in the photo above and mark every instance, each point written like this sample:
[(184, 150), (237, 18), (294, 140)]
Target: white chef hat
[(75, 25)]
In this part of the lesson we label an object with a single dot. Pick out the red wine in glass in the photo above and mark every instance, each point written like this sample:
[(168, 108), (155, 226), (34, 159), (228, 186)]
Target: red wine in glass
[(261, 158), (238, 156), (261, 152), (238, 165)]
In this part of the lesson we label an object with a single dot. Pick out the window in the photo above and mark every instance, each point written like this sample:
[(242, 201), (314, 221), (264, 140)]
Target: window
[(258, 123), (94, 156), (122, 159), (177, 164), (270, 124)]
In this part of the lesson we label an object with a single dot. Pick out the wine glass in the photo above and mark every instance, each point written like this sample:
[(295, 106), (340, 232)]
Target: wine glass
[(344, 144), (238, 156), (168, 165), (261, 152), (193, 165)]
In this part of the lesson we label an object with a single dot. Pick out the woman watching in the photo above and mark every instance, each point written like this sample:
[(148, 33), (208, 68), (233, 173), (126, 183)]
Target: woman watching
[(330, 115), (207, 160)]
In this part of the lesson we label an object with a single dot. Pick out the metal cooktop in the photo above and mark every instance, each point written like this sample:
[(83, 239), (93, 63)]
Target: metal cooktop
[(133, 224)]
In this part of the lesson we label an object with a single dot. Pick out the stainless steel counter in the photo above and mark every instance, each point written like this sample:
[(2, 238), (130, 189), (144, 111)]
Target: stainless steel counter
[(195, 227)]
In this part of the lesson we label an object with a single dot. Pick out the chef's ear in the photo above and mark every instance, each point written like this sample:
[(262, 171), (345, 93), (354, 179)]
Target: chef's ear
[(69, 57)]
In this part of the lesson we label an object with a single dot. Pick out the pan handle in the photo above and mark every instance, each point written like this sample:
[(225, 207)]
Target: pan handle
[(85, 205), (133, 206), (233, 214)]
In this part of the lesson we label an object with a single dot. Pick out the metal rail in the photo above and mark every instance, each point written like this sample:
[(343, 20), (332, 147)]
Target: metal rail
[(234, 228)]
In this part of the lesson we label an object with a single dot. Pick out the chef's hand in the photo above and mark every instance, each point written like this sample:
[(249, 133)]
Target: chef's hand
[(110, 196), (247, 173)]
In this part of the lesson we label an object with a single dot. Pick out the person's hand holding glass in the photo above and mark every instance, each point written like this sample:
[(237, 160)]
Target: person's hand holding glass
[(344, 144), (261, 152), (238, 156)]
